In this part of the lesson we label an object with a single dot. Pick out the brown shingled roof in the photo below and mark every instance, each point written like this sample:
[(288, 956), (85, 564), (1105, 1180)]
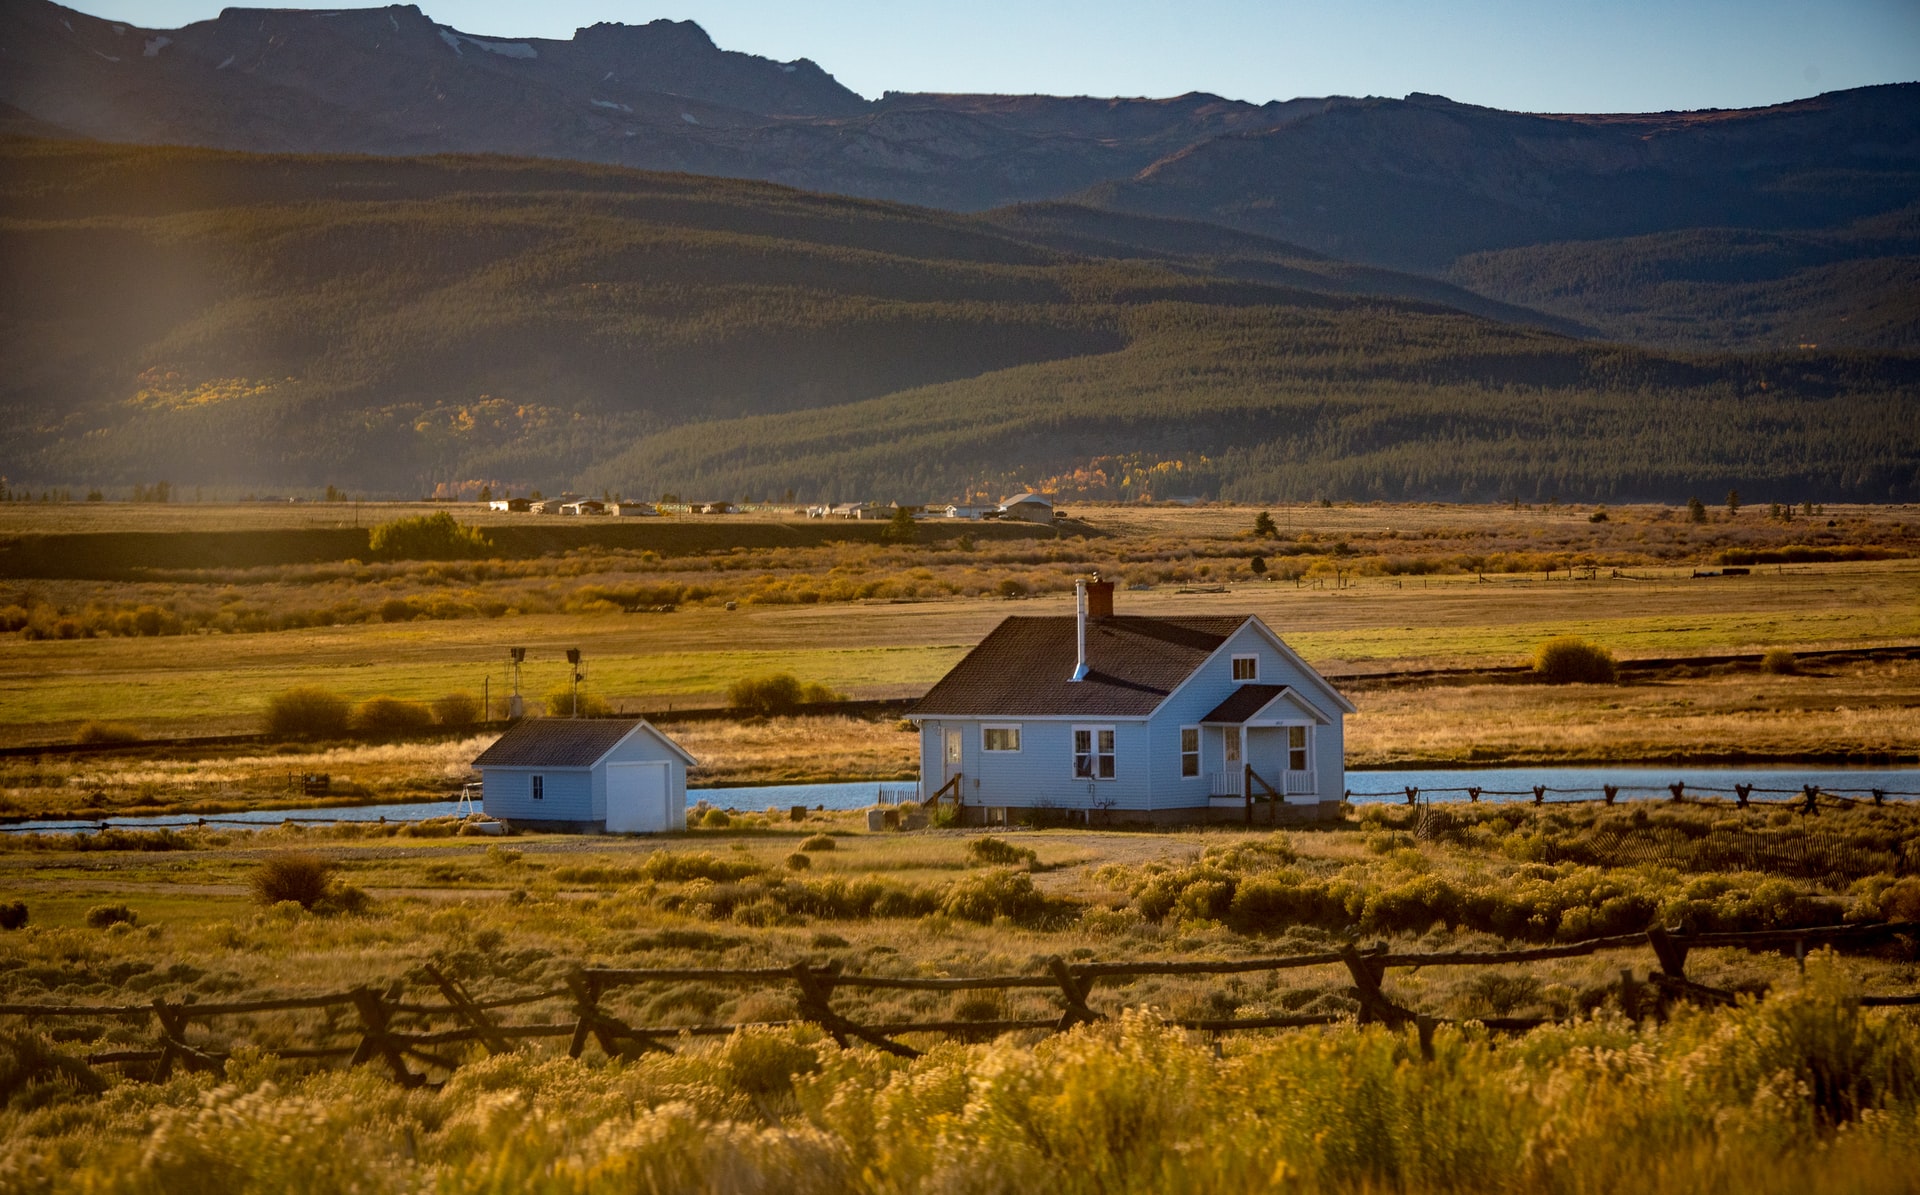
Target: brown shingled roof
[(1023, 667), (556, 742)]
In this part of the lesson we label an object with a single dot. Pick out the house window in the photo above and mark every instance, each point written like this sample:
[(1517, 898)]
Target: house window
[(1296, 748), (1093, 753), (1246, 668), (1189, 750), (999, 738), (539, 788)]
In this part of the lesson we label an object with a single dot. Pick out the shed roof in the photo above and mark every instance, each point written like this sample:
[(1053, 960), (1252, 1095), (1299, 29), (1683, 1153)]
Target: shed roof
[(1023, 667), (557, 742), (1022, 499)]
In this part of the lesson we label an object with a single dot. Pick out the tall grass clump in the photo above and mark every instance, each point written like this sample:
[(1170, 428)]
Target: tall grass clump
[(998, 852), (102, 733), (308, 712), (306, 880), (1570, 660), (1779, 661)]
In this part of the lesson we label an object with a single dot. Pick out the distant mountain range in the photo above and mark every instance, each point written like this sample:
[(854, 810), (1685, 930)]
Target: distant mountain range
[(1761, 228), (405, 325)]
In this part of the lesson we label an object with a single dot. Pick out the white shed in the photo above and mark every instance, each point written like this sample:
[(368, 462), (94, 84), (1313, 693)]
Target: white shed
[(586, 775)]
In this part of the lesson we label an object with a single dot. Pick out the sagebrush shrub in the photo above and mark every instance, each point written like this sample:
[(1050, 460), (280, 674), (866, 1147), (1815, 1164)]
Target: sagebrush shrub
[(1570, 660), (818, 842), (13, 914), (696, 865)]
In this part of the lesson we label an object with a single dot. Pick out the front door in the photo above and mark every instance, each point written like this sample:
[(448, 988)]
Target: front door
[(950, 756)]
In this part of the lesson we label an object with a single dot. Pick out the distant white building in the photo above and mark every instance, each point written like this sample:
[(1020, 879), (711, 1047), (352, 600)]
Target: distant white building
[(972, 511), (517, 505), (632, 509), (585, 506)]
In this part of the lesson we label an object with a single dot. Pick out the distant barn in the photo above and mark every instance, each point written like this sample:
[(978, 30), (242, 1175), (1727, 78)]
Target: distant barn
[(586, 775)]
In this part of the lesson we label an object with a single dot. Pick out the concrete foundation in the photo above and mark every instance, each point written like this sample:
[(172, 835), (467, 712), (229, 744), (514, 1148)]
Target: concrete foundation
[(1319, 813)]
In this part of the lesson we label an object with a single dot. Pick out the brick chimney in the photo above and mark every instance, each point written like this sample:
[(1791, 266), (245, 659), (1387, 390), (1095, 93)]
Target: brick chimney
[(1099, 598)]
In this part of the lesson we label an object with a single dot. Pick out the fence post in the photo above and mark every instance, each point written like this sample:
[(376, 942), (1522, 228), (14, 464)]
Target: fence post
[(1612, 791), (1679, 790), (1412, 795), (1368, 970), (1473, 795), (1740, 793), (1539, 794), (374, 1018), (1812, 799), (1074, 990), (490, 1035), (816, 995), (173, 1044)]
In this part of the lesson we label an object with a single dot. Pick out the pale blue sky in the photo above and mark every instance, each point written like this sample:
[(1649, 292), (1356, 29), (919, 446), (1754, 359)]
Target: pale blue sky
[(1531, 55)]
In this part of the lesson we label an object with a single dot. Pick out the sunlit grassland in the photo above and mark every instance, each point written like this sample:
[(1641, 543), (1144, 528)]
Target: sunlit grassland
[(218, 684), (1858, 712), (1800, 1092)]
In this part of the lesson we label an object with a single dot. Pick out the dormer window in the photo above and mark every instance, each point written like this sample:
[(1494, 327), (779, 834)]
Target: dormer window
[(1246, 668)]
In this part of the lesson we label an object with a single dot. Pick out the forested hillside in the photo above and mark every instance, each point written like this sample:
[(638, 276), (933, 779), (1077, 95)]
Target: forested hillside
[(400, 325)]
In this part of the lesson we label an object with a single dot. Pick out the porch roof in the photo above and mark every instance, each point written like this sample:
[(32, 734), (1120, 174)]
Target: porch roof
[(1248, 702)]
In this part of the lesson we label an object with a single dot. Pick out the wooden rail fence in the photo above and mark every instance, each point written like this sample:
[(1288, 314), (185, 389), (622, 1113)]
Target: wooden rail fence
[(399, 1033)]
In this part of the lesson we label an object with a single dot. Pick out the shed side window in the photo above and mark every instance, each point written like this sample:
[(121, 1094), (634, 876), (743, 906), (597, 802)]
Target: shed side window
[(1000, 738), (1189, 750), (539, 788)]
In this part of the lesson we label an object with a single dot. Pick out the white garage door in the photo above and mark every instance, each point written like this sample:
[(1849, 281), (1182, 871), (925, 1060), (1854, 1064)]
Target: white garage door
[(636, 798)]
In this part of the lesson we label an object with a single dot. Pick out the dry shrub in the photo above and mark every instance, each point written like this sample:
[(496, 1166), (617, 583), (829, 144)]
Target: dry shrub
[(780, 693), (819, 842), (457, 709), (1780, 662), (301, 878), (13, 914), (103, 916), (1570, 660), (564, 702), (391, 716), (997, 852), (988, 895), (716, 819), (799, 861), (308, 712), (106, 732)]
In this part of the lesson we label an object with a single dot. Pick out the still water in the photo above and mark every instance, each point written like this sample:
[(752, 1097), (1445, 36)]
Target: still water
[(1496, 784)]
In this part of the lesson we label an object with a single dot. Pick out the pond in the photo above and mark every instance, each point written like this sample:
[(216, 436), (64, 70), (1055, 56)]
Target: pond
[(1496, 784)]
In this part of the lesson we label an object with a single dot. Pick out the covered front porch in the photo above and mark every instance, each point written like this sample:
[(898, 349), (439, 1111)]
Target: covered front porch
[(1258, 746)]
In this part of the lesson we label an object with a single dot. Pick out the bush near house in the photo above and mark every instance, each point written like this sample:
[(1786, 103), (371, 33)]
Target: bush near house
[(391, 716)]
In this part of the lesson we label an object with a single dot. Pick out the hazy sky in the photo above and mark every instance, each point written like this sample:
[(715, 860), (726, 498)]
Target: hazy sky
[(1531, 55)]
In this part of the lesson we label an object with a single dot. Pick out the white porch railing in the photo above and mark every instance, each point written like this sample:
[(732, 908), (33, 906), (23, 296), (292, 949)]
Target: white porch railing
[(1298, 784), (1224, 784)]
